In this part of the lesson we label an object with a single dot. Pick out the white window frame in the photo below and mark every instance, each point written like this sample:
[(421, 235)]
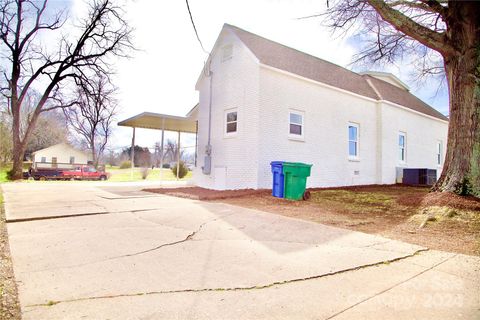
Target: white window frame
[(227, 52), (357, 156), (43, 159), (226, 122), (293, 136), (404, 135), (439, 152)]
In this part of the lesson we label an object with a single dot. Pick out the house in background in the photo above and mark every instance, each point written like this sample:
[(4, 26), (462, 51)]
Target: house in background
[(260, 101), (61, 155)]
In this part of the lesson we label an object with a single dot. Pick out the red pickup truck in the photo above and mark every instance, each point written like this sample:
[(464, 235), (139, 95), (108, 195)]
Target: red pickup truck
[(84, 173)]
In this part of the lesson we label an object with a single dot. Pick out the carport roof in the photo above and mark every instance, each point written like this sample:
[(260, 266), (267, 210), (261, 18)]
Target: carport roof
[(150, 120)]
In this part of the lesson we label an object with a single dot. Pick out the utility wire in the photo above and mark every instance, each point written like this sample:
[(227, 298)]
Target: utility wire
[(195, 28)]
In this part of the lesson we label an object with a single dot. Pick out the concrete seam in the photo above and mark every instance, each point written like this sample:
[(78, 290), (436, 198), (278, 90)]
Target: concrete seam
[(73, 215), (276, 283)]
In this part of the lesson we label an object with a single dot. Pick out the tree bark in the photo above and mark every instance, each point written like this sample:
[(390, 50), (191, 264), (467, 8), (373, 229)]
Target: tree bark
[(461, 172), (18, 148)]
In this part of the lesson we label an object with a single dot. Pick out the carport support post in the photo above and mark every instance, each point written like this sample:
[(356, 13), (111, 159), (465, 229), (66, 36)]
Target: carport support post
[(132, 154), (178, 155), (161, 150)]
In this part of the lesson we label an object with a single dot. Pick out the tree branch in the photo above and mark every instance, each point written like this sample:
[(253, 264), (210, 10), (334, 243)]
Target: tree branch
[(434, 40)]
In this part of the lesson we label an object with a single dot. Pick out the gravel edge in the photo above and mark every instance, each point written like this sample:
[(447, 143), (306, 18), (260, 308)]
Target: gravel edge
[(9, 305)]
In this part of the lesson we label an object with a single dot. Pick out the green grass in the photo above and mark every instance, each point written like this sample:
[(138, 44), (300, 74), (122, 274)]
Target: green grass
[(3, 174), (123, 175)]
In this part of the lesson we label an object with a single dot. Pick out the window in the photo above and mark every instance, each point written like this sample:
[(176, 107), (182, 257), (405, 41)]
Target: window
[(54, 162), (353, 140), (296, 129), (44, 159), (439, 153), (72, 160), (227, 52), (402, 140), (231, 122)]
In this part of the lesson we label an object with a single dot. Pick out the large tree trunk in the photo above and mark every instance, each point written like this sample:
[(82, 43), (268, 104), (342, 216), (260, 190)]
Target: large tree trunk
[(18, 149), (461, 173), (17, 169)]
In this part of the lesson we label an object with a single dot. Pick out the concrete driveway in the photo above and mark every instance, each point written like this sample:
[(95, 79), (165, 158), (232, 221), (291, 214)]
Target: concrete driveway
[(100, 251)]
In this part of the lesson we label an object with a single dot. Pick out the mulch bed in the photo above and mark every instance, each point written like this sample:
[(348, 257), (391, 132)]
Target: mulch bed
[(451, 200)]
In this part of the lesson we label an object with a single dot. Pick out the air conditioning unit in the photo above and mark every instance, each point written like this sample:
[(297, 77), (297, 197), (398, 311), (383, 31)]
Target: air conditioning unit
[(419, 176)]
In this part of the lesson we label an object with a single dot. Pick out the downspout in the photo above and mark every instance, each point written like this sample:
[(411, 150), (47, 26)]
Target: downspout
[(207, 164)]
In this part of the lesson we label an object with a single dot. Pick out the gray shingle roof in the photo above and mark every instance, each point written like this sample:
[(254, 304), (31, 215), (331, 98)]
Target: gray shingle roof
[(279, 56)]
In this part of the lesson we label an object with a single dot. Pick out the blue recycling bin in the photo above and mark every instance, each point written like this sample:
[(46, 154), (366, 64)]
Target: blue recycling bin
[(278, 179)]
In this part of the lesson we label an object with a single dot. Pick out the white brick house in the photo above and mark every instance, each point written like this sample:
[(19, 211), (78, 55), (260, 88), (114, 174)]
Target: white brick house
[(268, 102)]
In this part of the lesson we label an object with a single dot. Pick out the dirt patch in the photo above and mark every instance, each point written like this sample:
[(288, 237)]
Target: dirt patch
[(443, 221), (198, 193), (9, 306)]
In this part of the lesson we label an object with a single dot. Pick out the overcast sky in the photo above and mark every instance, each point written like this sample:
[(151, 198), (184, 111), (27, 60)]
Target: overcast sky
[(161, 75)]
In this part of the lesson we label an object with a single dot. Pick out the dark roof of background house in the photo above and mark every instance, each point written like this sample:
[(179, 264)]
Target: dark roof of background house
[(279, 56)]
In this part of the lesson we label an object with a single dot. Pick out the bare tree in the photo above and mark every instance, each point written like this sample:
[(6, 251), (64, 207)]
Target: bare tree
[(23, 23), (172, 150), (444, 36), (93, 115), (49, 130)]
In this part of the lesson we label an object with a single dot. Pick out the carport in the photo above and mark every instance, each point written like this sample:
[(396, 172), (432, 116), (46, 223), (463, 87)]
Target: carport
[(163, 122)]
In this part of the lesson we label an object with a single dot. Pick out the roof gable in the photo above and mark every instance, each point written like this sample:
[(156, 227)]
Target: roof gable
[(284, 58), (393, 93)]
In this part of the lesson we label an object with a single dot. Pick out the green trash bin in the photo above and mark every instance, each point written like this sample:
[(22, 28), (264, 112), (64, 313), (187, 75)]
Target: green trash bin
[(296, 174)]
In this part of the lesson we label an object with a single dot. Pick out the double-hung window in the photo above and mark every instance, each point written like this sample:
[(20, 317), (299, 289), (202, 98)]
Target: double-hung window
[(353, 140), (296, 125), (402, 143), (439, 153), (231, 122)]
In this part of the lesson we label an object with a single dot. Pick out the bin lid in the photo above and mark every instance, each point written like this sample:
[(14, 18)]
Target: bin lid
[(276, 163), (297, 164)]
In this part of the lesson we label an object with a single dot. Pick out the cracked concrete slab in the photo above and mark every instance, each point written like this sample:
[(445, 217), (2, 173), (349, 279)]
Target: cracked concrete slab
[(320, 298), (182, 258)]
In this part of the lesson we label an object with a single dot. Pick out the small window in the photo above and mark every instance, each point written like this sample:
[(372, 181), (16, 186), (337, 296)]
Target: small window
[(72, 160), (353, 140), (44, 159), (231, 122), (227, 52), (402, 141), (296, 129), (439, 153)]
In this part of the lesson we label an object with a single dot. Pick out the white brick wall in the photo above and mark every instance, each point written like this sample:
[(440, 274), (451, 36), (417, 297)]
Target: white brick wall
[(263, 97), (235, 85), (327, 114), (422, 134)]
